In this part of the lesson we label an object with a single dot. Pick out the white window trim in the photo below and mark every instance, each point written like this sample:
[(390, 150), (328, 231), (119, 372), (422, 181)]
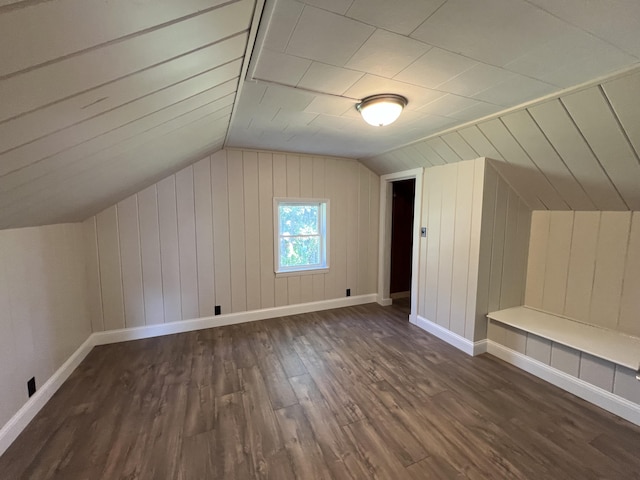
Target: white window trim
[(324, 227)]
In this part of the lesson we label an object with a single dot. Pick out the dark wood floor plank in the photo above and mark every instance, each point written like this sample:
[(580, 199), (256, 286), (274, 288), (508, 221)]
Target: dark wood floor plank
[(351, 393)]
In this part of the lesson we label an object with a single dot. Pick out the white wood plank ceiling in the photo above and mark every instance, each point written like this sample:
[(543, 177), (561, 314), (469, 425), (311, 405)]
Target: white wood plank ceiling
[(100, 99)]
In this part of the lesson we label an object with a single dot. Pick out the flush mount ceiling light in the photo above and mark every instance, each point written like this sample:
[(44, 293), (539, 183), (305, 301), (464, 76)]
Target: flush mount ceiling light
[(381, 110)]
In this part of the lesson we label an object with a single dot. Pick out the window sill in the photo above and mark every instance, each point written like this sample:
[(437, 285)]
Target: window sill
[(297, 273)]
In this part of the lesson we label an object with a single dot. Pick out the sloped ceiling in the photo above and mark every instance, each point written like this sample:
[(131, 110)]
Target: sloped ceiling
[(100, 98), (579, 151)]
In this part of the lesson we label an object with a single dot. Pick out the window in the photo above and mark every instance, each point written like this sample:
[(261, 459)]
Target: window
[(301, 235)]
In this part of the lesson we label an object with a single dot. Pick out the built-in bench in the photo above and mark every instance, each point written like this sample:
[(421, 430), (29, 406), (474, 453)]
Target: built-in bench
[(604, 343)]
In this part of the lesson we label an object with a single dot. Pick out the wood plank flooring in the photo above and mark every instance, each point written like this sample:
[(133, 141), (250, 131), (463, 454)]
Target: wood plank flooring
[(353, 393)]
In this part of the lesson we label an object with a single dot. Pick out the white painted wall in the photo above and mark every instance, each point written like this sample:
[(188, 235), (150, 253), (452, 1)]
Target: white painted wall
[(586, 266), (43, 313), (474, 257), (204, 237)]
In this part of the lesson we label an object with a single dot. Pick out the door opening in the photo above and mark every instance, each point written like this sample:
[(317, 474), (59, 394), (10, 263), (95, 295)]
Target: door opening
[(402, 214)]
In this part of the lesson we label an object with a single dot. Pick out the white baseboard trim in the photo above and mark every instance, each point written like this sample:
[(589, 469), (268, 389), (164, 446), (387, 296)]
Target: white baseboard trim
[(384, 302), (602, 398), (126, 334), (10, 431), (452, 338)]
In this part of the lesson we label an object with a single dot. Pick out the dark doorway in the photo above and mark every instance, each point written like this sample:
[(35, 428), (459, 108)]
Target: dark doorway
[(402, 237)]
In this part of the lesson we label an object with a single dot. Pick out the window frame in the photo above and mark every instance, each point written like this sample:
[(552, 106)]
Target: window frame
[(323, 220)]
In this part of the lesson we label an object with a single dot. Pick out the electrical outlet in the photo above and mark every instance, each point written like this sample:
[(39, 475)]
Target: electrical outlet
[(348, 292), (218, 310), (31, 386)]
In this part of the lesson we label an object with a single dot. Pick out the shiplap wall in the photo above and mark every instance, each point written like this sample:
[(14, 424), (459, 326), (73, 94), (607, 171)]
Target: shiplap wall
[(586, 266), (204, 237), (43, 313), (474, 256)]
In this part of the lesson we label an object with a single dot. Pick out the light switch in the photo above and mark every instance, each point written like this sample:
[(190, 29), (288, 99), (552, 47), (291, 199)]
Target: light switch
[(423, 231)]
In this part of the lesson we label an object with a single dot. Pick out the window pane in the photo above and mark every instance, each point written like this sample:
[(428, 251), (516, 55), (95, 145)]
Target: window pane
[(299, 251), (298, 219)]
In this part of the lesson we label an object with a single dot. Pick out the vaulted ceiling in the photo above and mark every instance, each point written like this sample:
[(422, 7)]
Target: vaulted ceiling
[(99, 99)]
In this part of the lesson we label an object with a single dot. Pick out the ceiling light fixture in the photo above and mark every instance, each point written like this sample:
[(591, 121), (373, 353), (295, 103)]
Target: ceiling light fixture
[(381, 110)]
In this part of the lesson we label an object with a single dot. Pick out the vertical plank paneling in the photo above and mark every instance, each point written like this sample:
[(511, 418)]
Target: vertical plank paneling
[(94, 294), (169, 253), (630, 303), (498, 245), (187, 243), (374, 212), (252, 229), (363, 229), (609, 273), (477, 257), (339, 215), (523, 234), (424, 243), (557, 261), (265, 187), (293, 190), (318, 191), (221, 257), (352, 226), (461, 247), (584, 243), (131, 261), (236, 231), (110, 273), (433, 247), (150, 250), (306, 191), (510, 292), (447, 242), (537, 254), (280, 190), (330, 288), (204, 236)]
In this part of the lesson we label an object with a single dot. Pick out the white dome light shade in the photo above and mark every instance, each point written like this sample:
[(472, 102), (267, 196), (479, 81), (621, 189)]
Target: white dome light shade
[(381, 110)]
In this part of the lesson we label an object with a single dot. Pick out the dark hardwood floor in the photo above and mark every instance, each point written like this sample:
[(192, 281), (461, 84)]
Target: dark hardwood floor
[(350, 393)]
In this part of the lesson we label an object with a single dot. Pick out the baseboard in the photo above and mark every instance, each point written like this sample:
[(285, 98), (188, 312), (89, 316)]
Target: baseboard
[(452, 338), (602, 398), (10, 431), (384, 302), (149, 331)]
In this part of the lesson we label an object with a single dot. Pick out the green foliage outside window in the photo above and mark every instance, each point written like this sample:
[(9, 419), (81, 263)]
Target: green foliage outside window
[(300, 235)]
